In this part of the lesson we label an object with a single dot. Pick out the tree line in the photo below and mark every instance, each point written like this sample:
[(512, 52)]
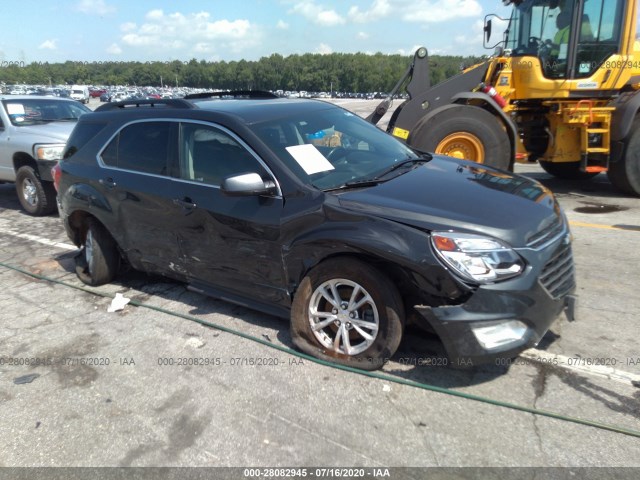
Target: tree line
[(345, 72)]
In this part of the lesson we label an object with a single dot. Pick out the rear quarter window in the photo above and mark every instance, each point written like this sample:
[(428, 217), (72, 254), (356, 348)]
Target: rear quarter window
[(141, 147), (80, 136)]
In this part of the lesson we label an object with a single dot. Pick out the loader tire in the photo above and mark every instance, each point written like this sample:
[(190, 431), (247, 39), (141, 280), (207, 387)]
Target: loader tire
[(464, 131), (625, 173)]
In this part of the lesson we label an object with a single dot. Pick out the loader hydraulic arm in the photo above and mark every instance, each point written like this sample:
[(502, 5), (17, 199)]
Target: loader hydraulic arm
[(423, 69)]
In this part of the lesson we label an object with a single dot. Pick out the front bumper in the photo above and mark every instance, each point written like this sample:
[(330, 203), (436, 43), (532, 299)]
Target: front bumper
[(533, 300)]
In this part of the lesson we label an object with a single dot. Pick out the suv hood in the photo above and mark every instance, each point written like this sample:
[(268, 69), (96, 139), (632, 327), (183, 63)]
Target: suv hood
[(55, 131), (450, 194)]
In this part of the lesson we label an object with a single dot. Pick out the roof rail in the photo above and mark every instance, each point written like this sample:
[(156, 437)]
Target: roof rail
[(160, 103), (232, 94)]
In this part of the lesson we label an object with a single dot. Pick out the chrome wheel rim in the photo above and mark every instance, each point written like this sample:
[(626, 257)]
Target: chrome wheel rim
[(30, 192), (88, 250), (343, 316)]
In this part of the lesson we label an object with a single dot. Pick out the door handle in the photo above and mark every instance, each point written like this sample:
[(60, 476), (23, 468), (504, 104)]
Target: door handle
[(107, 182), (186, 203)]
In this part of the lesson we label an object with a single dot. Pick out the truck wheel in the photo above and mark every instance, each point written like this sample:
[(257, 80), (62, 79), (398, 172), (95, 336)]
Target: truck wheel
[(566, 170), (625, 173), (464, 131), (36, 197), (345, 311), (98, 261)]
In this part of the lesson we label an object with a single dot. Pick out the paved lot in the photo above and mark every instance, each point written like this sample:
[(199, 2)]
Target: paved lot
[(122, 389)]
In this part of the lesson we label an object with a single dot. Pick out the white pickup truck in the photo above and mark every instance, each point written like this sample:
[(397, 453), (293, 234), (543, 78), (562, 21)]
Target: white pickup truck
[(33, 132)]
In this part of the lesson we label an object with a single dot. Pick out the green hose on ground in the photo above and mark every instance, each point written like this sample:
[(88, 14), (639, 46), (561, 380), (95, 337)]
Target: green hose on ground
[(378, 375)]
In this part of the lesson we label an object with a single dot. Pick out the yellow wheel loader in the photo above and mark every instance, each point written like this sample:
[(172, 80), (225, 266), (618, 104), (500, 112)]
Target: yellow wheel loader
[(562, 89)]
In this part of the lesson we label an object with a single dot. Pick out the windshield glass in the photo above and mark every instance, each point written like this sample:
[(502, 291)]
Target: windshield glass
[(545, 29), (331, 148), (29, 111), (541, 28)]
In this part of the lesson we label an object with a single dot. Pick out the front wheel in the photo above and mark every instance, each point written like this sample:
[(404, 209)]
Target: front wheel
[(348, 312), (36, 197), (465, 132), (99, 260)]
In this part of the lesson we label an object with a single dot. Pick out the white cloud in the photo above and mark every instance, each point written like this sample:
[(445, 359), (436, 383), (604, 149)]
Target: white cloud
[(433, 11), (475, 35), (379, 9), (193, 33), (154, 15), (94, 7), (203, 47), (324, 49), (317, 14), (363, 35), (48, 45), (411, 50), (282, 25), (114, 49)]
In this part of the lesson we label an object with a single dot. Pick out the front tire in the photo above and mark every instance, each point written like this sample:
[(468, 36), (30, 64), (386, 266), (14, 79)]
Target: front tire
[(348, 312), (36, 197), (625, 173), (99, 260), (464, 131)]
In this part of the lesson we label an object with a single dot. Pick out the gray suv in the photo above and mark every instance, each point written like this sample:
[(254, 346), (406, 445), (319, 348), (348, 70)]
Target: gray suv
[(33, 131), (304, 210)]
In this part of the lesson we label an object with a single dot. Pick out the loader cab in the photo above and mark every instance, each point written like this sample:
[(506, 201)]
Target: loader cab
[(572, 39)]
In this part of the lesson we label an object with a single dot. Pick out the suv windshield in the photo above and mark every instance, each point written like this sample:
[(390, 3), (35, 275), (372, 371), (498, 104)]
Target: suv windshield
[(334, 148), (24, 112), (547, 28)]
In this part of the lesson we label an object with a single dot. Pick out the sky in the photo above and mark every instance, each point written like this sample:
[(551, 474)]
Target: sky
[(216, 30)]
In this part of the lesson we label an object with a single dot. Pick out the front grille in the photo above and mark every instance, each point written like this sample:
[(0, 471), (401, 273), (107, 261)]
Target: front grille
[(558, 275), (546, 234)]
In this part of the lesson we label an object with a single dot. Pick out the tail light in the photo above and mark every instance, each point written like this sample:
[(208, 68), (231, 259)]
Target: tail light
[(56, 173)]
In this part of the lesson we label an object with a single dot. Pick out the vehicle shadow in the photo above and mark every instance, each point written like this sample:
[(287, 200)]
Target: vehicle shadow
[(9, 200), (421, 357)]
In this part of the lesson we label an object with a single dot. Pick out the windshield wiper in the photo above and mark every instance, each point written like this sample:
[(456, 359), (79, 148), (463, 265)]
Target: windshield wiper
[(396, 166), (354, 184), (372, 182)]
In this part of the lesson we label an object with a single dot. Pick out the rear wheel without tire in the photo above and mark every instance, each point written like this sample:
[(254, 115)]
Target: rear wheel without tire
[(98, 261), (347, 312), (566, 170), (464, 131), (625, 173), (36, 197)]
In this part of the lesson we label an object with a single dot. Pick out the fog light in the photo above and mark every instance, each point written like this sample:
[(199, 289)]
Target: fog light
[(499, 334)]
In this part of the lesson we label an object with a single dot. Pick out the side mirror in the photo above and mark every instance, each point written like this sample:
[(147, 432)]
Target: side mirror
[(487, 30), (247, 184)]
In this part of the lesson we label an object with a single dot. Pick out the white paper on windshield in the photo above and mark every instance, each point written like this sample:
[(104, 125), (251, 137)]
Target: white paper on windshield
[(310, 158), (15, 109)]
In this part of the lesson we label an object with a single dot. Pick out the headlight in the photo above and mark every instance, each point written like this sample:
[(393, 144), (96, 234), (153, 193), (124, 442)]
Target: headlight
[(477, 258), (48, 152)]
